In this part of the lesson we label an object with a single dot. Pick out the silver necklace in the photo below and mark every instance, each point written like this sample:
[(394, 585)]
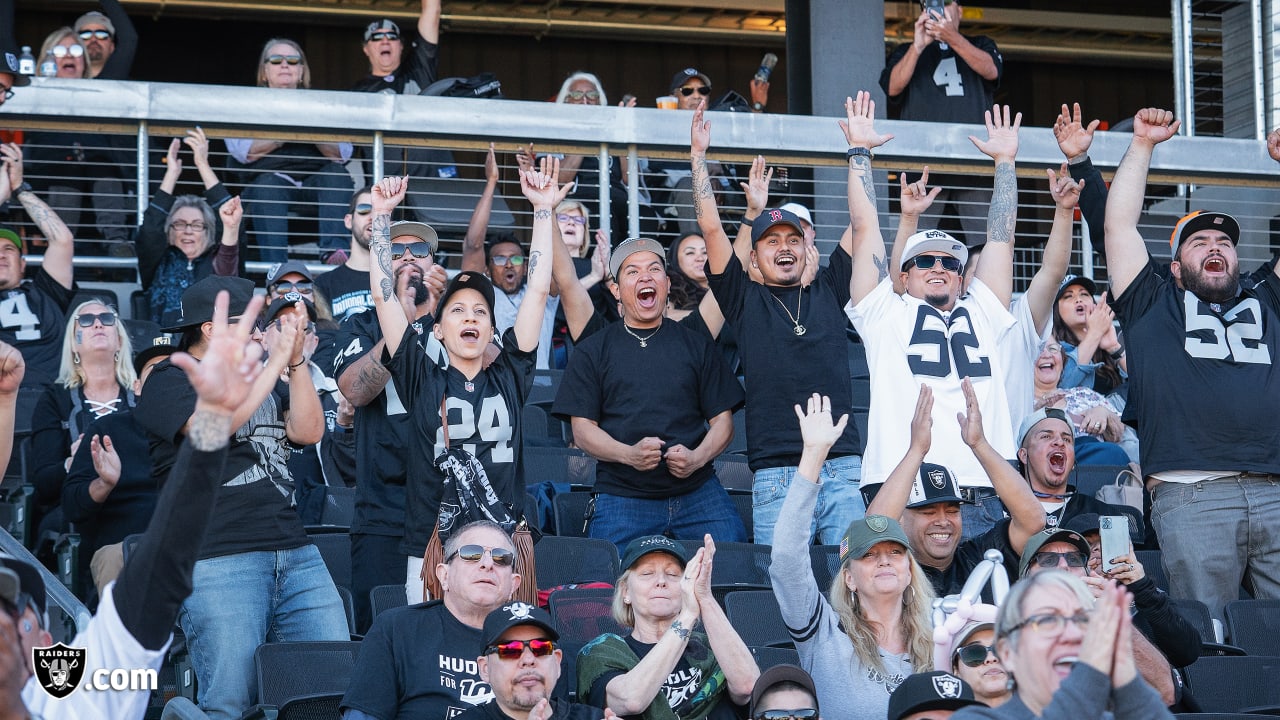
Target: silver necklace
[(644, 341), (795, 319)]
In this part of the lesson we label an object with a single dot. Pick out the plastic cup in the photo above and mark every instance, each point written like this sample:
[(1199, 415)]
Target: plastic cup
[(668, 102)]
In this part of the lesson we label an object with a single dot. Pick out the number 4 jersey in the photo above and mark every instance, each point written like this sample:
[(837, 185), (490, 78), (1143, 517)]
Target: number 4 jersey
[(910, 343), (1202, 390), (32, 319)]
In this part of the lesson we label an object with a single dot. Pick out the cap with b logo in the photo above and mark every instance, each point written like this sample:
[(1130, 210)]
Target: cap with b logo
[(769, 218)]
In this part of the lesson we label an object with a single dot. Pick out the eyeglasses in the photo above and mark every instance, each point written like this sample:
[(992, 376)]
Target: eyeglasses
[(974, 654), (1049, 559), (927, 262), (364, 209), (577, 219), (290, 59), (87, 319), (181, 226), (420, 249), (285, 287), (8, 92), (96, 34), (702, 90), (502, 260), (580, 94), (1052, 625), (61, 51), (799, 714), (501, 557), (379, 36), (514, 649)]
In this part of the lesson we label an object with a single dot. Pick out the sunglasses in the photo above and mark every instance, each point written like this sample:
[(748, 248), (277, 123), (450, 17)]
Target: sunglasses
[(379, 36), (310, 328), (8, 92), (580, 94), (514, 649), (578, 219), (364, 209), (85, 320), (420, 249), (192, 226), (975, 654), (702, 90), (95, 34), (501, 557), (287, 286), (502, 260), (61, 51), (799, 714), (927, 262), (1049, 559), (290, 59)]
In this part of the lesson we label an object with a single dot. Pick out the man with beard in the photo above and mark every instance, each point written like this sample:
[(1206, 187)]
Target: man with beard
[(933, 334), (1203, 393), (380, 431), (346, 287), (109, 40)]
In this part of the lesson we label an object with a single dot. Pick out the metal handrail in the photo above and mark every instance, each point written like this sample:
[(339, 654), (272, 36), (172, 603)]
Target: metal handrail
[(57, 593)]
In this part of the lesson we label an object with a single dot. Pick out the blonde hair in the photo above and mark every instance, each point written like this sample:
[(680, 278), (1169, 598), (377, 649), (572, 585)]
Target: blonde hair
[(916, 626), (571, 205), (58, 36), (622, 612), (303, 82), (564, 87), (71, 374)]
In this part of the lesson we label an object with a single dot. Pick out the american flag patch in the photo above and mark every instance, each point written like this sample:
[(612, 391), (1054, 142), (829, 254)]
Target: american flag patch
[(844, 547)]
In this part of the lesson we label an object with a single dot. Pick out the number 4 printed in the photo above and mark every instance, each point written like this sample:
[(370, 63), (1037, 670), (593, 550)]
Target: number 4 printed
[(14, 312), (947, 75)]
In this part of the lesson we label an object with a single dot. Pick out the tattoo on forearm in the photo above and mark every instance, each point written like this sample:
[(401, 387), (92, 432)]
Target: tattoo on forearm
[(208, 430), (534, 257), (380, 246), (42, 215), (371, 378), (863, 164), (882, 266), (701, 185), (541, 214), (1003, 213)]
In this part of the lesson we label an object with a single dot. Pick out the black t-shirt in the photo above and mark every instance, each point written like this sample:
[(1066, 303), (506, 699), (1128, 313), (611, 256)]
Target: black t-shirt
[(1203, 391), (417, 662), (943, 87), (968, 556), (127, 510), (1079, 504), (417, 69), (347, 291), (254, 508), (781, 368), (666, 390), (484, 418), (560, 710), (33, 317), (679, 686)]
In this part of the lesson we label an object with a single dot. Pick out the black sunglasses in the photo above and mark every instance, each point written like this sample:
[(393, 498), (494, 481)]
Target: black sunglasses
[(473, 553), (420, 249), (98, 34), (513, 649), (974, 654), (927, 262), (1049, 558), (701, 90), (290, 59), (285, 287), (86, 319), (383, 36), (799, 714)]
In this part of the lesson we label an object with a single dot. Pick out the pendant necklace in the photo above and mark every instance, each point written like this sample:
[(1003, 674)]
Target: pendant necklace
[(795, 319), (644, 341)]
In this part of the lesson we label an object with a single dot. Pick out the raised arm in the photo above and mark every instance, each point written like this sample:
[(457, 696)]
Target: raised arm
[(544, 193), (574, 297), (1057, 249), (892, 497), (719, 248), (387, 194), (226, 261), (429, 21), (914, 200), (199, 145), (304, 422), (473, 242), (57, 257), (869, 264), (1126, 251), (1074, 139), (731, 653), (756, 190), (1273, 149), (995, 265), (900, 75), (12, 369)]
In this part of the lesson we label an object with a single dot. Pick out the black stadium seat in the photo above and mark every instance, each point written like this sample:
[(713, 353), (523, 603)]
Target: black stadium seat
[(1233, 684), (757, 618), (335, 548), (767, 657), (321, 706), (386, 597), (565, 560), (298, 669), (570, 511), (1254, 625)]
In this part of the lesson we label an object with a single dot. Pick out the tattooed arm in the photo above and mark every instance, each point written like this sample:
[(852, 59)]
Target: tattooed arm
[(362, 380), (387, 194), (995, 265), (544, 193), (719, 249), (867, 246), (57, 258)]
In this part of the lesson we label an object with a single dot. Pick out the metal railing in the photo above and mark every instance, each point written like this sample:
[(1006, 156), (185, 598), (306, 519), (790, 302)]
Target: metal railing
[(59, 596)]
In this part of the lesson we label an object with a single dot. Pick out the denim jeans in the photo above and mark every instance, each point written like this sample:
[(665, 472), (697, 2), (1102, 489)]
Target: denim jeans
[(839, 502), (323, 195), (1215, 533), (684, 517), (979, 518), (239, 602)]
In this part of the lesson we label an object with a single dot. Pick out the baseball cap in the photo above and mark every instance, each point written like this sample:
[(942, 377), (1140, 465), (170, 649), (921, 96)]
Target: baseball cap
[(685, 75), (148, 341), (1045, 413), (933, 484), (929, 691), (630, 247), (279, 270), (1080, 280), (8, 234), (287, 301), (642, 546), (467, 281), (769, 218), (1203, 220), (515, 614), (93, 16), (865, 532), (197, 300), (413, 228), (966, 632), (1083, 523), (383, 25), (777, 675), (799, 211), (934, 241), (1046, 536), (25, 580)]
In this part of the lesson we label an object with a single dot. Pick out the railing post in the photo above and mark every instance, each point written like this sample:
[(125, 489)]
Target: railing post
[(606, 216), (143, 176), (1086, 251), (633, 192), (378, 158)]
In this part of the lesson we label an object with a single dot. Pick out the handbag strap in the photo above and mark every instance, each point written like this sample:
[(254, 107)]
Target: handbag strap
[(444, 420)]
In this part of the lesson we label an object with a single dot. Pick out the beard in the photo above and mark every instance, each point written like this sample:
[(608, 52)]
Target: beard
[(1211, 290), (362, 239), (939, 301)]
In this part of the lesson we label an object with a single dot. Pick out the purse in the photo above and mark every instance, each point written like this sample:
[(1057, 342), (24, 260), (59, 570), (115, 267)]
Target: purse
[(1126, 490)]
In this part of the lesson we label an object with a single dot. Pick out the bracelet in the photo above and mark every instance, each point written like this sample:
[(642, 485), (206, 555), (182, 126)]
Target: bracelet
[(748, 222), (23, 187), (291, 368), (857, 152), (680, 630), (1119, 353)]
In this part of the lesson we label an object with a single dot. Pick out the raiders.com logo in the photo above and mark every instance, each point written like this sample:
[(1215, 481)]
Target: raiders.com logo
[(59, 669)]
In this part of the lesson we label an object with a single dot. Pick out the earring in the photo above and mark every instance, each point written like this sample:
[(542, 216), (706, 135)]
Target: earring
[(75, 358), (116, 357)]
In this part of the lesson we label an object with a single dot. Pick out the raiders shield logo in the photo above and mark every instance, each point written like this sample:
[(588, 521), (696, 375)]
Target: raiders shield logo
[(58, 668), (938, 479), (877, 523), (947, 686)]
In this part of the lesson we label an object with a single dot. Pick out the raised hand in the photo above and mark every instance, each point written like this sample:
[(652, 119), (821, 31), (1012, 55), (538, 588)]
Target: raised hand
[(106, 461), (173, 163), (1063, 188), (1273, 144), (526, 158), (757, 186), (388, 193), (922, 421), (1073, 137), (916, 197), (971, 419), (491, 166), (946, 28), (702, 580), (11, 154), (859, 123), (199, 145), (690, 590), (224, 376), (700, 132), (12, 368), (231, 213), (1101, 320), (1154, 125), (540, 186), (920, 38), (817, 429), (1001, 144)]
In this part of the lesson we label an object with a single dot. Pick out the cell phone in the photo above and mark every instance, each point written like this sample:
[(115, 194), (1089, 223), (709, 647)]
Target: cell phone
[(1114, 530), (937, 7)]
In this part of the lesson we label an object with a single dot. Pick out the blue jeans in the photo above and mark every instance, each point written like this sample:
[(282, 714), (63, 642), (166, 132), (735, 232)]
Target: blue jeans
[(979, 518), (684, 517), (1092, 451), (839, 502), (239, 602), (1215, 533), (324, 195)]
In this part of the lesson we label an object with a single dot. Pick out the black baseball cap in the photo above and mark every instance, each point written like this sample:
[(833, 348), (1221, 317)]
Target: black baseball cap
[(769, 218), (1080, 280), (930, 691), (685, 75), (149, 342), (933, 484), (1203, 220), (279, 270), (287, 301), (642, 546), (198, 300), (468, 280), (28, 582), (1083, 523), (777, 675), (383, 25), (515, 614)]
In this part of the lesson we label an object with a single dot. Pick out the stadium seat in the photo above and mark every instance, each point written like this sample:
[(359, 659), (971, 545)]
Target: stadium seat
[(349, 610), (738, 443), (386, 597), (767, 657), (335, 548), (1195, 612), (583, 614), (756, 617), (558, 465), (736, 563), (571, 513), (744, 505), (825, 561), (321, 706), (734, 474), (563, 560), (1153, 564), (288, 670), (339, 506), (1234, 684), (1254, 625), (545, 385)]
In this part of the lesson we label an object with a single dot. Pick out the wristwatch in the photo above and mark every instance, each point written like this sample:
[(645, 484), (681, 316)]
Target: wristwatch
[(857, 152), (757, 107), (24, 187)]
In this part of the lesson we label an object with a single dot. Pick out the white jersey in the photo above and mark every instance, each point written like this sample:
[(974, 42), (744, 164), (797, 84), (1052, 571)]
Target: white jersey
[(108, 646), (1021, 350), (505, 308), (910, 343)]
